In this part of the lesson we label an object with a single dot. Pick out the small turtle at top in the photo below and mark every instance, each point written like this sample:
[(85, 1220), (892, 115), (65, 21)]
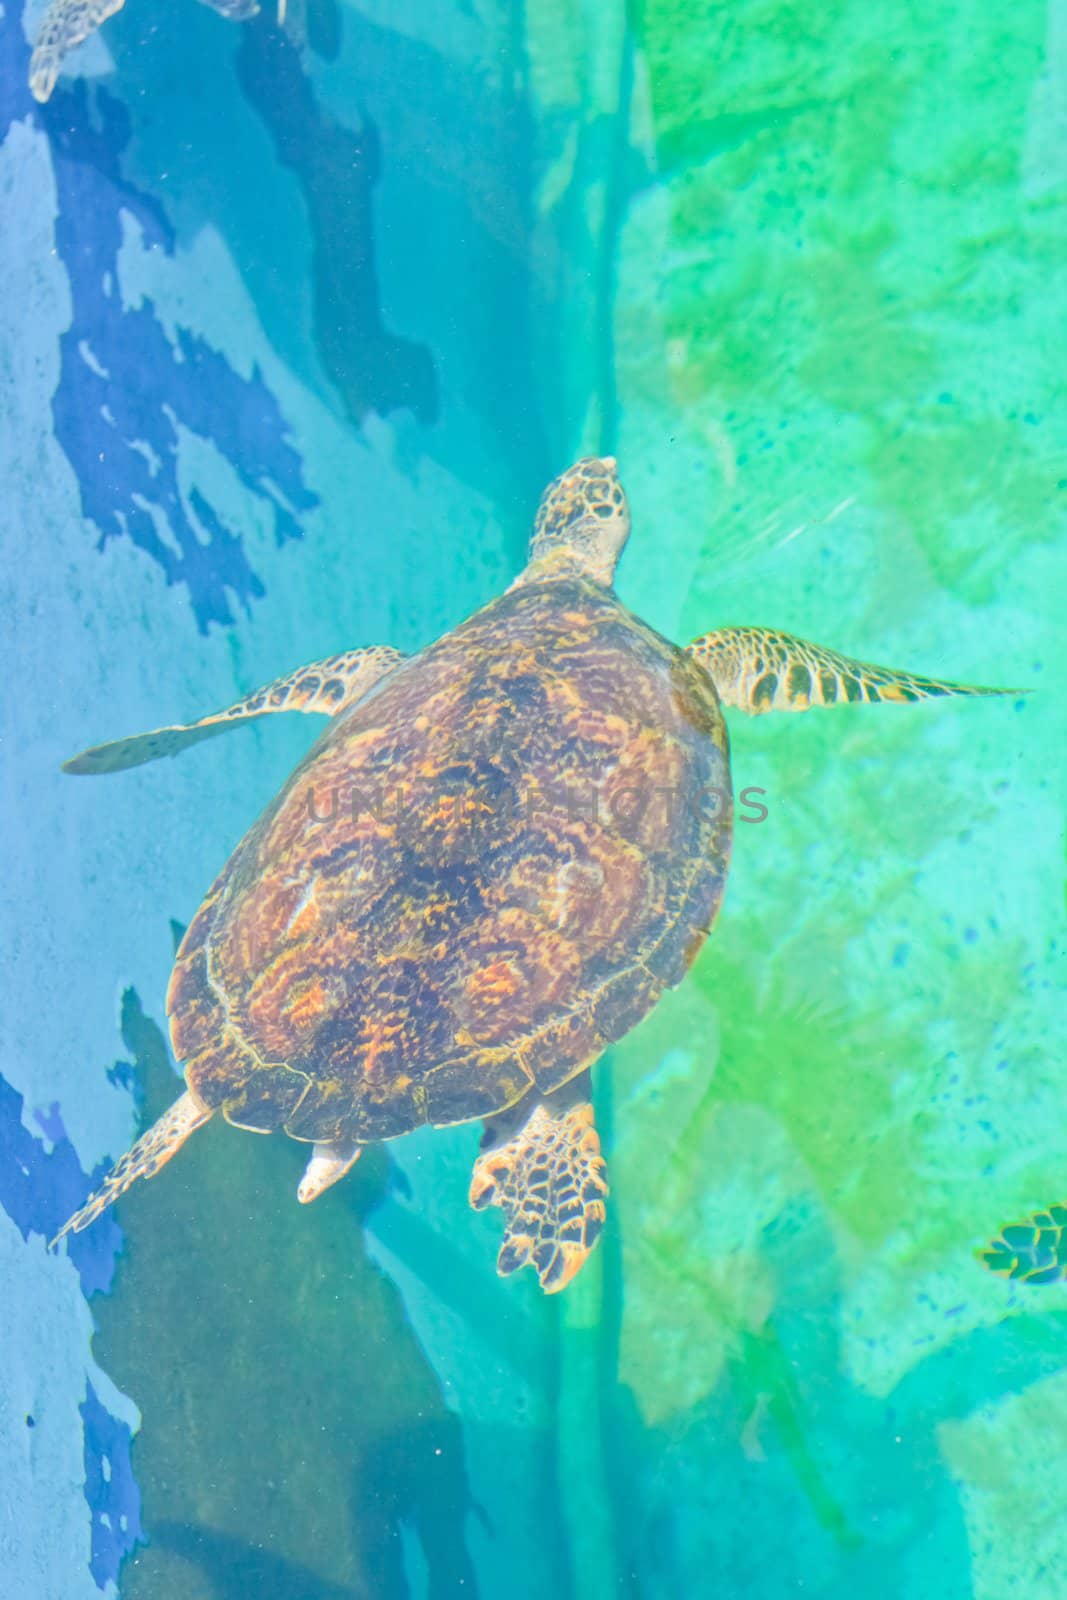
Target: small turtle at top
[(499, 854), (67, 23)]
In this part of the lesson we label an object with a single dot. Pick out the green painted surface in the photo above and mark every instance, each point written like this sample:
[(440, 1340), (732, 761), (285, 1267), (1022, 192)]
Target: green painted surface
[(838, 365)]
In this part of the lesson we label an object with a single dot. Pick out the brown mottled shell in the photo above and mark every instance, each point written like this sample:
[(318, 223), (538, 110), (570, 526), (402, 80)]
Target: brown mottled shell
[(483, 874)]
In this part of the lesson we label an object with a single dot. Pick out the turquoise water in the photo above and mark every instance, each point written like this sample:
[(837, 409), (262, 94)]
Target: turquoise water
[(296, 326)]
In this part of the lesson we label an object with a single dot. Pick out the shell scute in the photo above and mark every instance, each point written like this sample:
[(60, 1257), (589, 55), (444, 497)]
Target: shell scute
[(292, 1003), (265, 1099), (192, 1004), (556, 1053), (251, 1093), (454, 1094), (514, 974), (623, 1001)]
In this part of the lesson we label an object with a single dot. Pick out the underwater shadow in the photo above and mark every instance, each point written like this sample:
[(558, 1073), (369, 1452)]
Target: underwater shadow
[(337, 170), (129, 387), (234, 1568), (293, 1433)]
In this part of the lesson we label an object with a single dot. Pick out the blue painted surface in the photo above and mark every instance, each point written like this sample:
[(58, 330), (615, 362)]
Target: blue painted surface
[(125, 389), (41, 1187), (110, 1490), (15, 97), (131, 381)]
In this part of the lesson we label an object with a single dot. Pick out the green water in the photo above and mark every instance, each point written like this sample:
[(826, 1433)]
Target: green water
[(813, 297)]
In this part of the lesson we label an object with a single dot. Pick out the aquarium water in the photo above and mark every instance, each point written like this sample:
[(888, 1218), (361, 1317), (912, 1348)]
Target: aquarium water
[(296, 321)]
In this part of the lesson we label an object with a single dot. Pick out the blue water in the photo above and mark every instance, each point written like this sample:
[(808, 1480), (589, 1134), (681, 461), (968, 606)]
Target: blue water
[(296, 324)]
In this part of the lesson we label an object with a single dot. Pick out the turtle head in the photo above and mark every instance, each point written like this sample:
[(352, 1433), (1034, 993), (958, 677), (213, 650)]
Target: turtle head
[(582, 523)]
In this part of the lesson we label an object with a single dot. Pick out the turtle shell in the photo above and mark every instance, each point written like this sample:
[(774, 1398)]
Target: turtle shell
[(481, 875)]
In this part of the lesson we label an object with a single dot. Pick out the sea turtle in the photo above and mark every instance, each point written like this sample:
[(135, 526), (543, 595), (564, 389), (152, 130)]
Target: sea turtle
[(67, 22), (493, 862)]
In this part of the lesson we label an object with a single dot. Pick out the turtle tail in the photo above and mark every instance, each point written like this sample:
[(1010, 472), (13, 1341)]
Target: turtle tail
[(152, 1151)]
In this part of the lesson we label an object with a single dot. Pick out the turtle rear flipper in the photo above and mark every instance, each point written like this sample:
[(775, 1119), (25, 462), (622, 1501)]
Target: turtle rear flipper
[(323, 687), (143, 1160), (550, 1180), (328, 1165), (759, 669)]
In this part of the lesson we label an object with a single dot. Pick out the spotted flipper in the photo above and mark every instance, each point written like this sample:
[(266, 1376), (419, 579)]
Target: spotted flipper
[(324, 687), (152, 1151), (550, 1180), (1034, 1250), (67, 22), (758, 669), (64, 24)]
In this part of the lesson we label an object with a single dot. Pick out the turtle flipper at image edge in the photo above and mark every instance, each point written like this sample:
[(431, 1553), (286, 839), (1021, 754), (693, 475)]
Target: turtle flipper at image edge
[(1033, 1251), (496, 858), (66, 23)]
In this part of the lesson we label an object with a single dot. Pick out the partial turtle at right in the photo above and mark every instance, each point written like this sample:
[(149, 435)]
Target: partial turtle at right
[(1033, 1251)]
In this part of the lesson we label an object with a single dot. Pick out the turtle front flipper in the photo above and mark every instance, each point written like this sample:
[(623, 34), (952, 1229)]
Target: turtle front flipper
[(65, 24), (324, 687), (759, 669), (550, 1180), (143, 1160), (1034, 1250)]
